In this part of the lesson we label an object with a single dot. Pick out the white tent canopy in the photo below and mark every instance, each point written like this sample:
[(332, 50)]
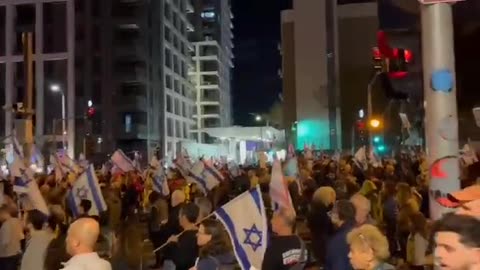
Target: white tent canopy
[(269, 134)]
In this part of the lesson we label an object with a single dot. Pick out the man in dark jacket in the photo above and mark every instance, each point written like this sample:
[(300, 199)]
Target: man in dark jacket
[(343, 216)]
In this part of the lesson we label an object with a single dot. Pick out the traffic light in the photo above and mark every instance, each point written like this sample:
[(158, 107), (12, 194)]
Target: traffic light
[(374, 123), (378, 143), (91, 112), (378, 62)]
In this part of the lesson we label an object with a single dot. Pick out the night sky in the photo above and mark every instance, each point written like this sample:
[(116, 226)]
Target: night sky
[(256, 84)]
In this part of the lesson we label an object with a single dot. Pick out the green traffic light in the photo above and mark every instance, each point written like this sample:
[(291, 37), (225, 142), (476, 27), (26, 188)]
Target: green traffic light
[(376, 139), (381, 148)]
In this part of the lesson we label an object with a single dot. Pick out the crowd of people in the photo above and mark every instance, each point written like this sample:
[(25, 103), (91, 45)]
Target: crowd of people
[(342, 217)]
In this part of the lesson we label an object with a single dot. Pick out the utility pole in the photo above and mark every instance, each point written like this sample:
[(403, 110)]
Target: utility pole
[(24, 125), (370, 107), (441, 121)]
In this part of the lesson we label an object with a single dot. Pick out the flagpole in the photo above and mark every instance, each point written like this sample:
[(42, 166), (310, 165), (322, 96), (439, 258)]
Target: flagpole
[(198, 223), (182, 232)]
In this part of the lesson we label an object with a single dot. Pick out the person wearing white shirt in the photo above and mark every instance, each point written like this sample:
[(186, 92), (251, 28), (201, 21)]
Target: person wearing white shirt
[(37, 245), (81, 239), (10, 237)]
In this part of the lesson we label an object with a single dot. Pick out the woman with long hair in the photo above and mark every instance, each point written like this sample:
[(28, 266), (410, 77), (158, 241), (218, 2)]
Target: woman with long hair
[(215, 247)]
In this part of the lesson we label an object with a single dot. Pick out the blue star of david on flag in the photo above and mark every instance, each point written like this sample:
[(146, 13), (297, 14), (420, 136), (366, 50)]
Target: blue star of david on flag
[(253, 237), (82, 193)]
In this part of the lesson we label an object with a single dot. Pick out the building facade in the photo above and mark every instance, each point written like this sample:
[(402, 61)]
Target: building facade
[(128, 60), (53, 25), (311, 109), (212, 63), (322, 71)]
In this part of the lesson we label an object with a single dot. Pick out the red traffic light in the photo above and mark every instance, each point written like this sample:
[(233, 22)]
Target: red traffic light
[(361, 125), (91, 112)]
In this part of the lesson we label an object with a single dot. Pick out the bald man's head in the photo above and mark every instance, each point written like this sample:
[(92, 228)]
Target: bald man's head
[(82, 236)]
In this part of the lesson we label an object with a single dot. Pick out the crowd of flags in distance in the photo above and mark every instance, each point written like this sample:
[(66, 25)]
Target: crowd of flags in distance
[(248, 233)]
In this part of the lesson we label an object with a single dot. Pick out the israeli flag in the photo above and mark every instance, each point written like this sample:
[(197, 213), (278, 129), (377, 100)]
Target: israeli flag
[(159, 181), (87, 187), (279, 192), (205, 179), (66, 163), (248, 233), (122, 162), (28, 190)]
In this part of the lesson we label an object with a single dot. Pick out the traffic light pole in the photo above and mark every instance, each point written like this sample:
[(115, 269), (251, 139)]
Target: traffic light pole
[(441, 121), (370, 108)]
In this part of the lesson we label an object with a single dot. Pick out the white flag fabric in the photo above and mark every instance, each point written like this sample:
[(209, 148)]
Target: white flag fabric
[(26, 186), (374, 160), (248, 232), (67, 164), (183, 164), (87, 187), (159, 181), (279, 192), (233, 168), (212, 171), (360, 158), (204, 178), (122, 162)]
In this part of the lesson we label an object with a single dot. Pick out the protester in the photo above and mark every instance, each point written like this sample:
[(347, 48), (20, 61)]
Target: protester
[(40, 237), (183, 248), (215, 249), (417, 244), (319, 223), (457, 242), (362, 209), (368, 249), (343, 217), (80, 243), (285, 250), (10, 237)]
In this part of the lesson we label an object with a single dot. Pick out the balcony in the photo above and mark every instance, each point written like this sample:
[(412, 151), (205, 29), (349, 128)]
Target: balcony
[(189, 8), (210, 86), (190, 27), (131, 103), (209, 115), (129, 17)]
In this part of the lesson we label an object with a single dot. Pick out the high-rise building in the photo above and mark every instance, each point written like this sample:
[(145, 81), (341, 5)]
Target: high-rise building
[(212, 63), (309, 75), (121, 65), (324, 68), (146, 99), (53, 25)]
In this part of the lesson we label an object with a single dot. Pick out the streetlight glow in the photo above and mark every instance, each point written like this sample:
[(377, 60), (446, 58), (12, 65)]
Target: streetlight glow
[(55, 87), (258, 118), (375, 123)]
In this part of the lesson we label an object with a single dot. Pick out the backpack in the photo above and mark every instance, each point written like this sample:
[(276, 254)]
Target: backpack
[(302, 263)]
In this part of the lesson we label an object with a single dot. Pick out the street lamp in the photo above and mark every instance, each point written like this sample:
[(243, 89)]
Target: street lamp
[(56, 88), (374, 123), (258, 118)]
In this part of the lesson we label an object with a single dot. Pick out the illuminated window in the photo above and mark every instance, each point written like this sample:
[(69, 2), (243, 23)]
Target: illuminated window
[(128, 123), (208, 14)]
